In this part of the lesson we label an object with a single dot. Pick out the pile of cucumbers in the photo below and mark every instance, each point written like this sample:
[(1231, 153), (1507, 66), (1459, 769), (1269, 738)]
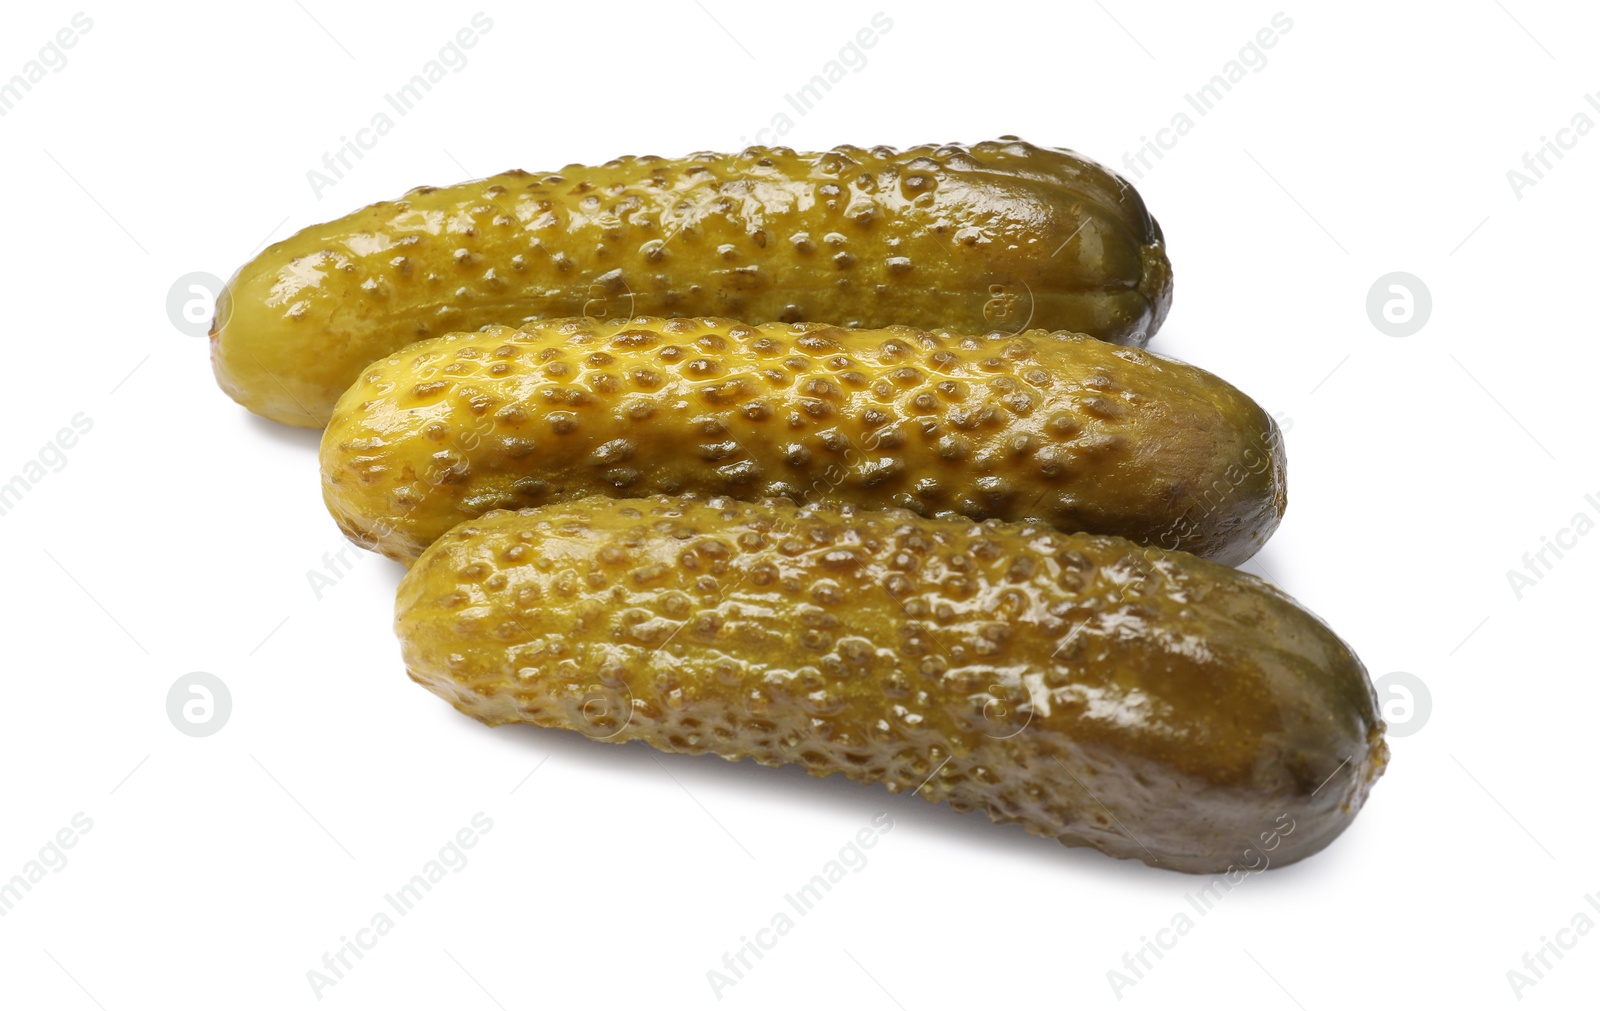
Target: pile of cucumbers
[(850, 459)]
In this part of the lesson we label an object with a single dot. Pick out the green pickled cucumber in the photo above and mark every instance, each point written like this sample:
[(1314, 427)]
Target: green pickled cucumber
[(1144, 702), (999, 235), (1084, 435)]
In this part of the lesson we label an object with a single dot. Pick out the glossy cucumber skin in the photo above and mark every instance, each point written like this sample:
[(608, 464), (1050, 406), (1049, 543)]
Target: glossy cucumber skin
[(1145, 702), (1001, 234), (1084, 435)]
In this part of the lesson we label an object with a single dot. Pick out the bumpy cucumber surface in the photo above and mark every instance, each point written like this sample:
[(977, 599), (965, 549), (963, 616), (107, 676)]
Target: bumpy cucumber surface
[(997, 235), (1148, 703), (1085, 435)]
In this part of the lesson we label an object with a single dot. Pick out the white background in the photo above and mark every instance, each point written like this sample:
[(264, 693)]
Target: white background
[(179, 533)]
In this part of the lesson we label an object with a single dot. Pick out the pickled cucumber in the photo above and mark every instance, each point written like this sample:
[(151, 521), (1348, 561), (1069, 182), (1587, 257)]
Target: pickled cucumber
[(1145, 702), (999, 235), (1082, 434)]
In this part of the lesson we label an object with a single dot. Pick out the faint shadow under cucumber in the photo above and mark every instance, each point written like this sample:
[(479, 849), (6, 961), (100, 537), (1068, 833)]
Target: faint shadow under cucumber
[(286, 435)]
